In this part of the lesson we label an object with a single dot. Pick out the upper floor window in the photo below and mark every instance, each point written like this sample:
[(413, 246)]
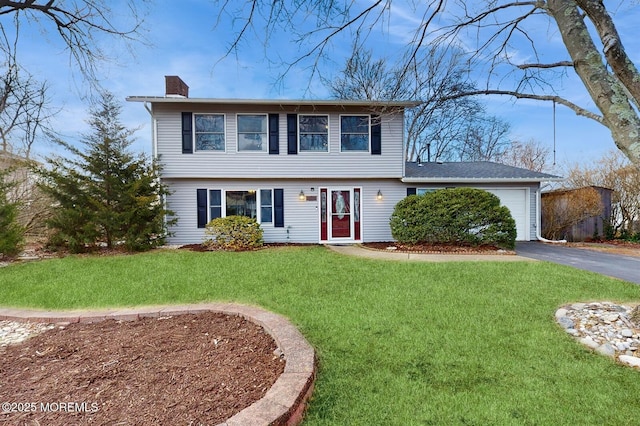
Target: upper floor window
[(252, 132), (209, 132), (314, 133), (354, 133)]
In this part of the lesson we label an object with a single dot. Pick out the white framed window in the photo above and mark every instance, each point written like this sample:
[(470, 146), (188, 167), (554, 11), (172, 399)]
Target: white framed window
[(355, 133), (215, 204), (256, 204), (253, 132), (241, 203), (266, 206), (209, 132), (313, 133)]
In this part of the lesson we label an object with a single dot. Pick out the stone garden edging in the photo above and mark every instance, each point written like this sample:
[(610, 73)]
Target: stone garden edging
[(603, 327)]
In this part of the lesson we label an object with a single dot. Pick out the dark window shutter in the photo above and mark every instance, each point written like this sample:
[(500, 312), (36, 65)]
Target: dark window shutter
[(376, 135), (202, 208), (274, 137), (292, 133), (278, 208), (411, 191), (187, 133)]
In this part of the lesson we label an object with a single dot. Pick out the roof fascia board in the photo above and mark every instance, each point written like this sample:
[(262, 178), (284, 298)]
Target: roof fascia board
[(272, 102)]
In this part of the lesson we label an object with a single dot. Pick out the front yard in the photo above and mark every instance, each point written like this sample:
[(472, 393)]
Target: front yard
[(398, 343)]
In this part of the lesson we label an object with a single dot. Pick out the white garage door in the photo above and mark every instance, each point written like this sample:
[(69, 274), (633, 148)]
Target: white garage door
[(516, 201)]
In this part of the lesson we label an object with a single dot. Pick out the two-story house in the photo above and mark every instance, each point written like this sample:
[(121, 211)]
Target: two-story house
[(309, 171)]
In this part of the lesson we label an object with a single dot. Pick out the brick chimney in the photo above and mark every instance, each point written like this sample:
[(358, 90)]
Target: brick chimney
[(175, 87)]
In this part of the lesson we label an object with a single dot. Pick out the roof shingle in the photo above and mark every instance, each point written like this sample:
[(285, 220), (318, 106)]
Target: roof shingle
[(472, 170)]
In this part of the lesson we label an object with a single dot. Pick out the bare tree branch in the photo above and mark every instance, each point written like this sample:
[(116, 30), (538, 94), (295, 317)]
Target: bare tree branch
[(78, 24), (577, 109), (543, 66), (24, 102)]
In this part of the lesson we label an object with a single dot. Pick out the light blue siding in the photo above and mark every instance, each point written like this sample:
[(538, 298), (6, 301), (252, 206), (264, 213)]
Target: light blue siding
[(301, 218), (233, 164)]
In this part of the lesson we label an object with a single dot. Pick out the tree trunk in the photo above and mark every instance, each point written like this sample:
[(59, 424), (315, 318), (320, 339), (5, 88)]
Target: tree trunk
[(606, 90)]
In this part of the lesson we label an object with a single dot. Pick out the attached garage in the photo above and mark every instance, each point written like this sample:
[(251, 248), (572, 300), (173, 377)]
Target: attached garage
[(517, 188), (517, 201)]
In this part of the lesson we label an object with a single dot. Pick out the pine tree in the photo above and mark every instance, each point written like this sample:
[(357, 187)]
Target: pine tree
[(104, 193), (11, 233)]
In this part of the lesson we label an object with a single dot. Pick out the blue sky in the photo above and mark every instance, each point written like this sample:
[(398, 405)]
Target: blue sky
[(182, 41)]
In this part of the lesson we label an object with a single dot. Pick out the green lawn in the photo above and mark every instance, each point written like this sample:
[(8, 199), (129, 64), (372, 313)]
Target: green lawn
[(398, 343)]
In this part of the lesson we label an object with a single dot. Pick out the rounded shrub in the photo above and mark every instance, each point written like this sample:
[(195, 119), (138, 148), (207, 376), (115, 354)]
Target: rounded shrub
[(233, 233), (11, 233), (464, 216)]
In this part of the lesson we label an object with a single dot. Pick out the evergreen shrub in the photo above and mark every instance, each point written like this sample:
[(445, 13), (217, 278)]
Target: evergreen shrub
[(11, 233), (105, 195), (233, 233), (462, 216)]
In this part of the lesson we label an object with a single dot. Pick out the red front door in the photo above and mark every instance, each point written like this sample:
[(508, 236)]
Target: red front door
[(340, 214)]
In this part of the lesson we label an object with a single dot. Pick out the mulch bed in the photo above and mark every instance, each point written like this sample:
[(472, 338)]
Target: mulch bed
[(187, 369), (435, 248), (203, 248), (392, 245)]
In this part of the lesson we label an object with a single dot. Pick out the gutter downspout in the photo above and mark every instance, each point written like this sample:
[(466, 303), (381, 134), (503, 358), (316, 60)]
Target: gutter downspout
[(154, 152), (538, 214), (154, 142)]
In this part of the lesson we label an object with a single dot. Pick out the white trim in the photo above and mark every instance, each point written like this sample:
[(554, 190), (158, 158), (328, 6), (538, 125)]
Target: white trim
[(283, 103)]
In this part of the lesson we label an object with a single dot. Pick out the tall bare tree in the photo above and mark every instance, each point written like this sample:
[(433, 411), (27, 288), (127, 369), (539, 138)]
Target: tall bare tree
[(531, 155), (24, 102), (78, 24), (563, 209), (612, 171), (364, 77), (486, 139), (437, 129), (489, 30)]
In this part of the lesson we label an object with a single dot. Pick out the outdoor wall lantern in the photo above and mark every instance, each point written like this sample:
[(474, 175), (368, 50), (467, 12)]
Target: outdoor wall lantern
[(379, 196), (301, 196)]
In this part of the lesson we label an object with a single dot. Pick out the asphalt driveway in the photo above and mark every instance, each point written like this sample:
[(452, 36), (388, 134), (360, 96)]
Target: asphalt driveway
[(624, 267)]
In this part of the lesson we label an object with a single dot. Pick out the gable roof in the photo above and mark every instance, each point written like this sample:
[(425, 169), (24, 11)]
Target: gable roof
[(471, 171)]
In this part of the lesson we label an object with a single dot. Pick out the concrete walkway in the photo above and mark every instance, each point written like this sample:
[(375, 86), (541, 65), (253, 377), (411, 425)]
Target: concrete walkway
[(360, 251)]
